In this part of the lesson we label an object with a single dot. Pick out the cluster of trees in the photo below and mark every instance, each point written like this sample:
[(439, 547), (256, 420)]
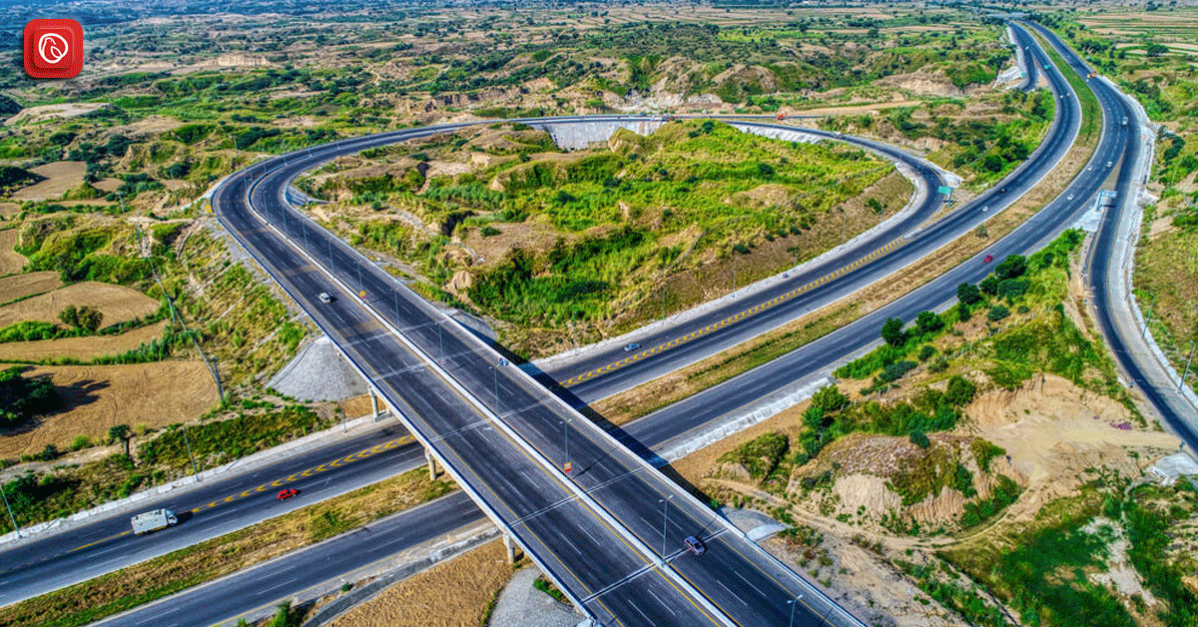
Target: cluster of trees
[(84, 317), (22, 398)]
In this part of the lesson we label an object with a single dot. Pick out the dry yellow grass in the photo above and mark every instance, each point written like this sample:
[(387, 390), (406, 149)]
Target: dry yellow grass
[(10, 261), (60, 177), (98, 397), (450, 594), (22, 285), (81, 348), (117, 303), (115, 592)]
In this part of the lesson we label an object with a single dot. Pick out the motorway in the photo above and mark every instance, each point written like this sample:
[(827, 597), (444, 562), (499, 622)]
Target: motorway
[(646, 434), (603, 372), (1122, 339)]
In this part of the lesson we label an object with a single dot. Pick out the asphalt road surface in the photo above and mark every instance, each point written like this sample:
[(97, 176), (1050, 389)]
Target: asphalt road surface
[(1102, 272), (652, 432), (597, 530), (601, 373)]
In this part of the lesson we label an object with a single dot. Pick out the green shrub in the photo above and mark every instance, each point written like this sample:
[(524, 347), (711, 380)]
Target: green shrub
[(920, 439), (997, 312)]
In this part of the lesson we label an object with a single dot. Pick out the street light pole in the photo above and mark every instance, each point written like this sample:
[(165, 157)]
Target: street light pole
[(793, 605), (186, 440), (9, 508), (1187, 370), (665, 522)]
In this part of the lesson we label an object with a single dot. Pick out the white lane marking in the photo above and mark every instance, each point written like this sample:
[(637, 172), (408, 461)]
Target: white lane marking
[(289, 581), (742, 578), (663, 603), (734, 595)]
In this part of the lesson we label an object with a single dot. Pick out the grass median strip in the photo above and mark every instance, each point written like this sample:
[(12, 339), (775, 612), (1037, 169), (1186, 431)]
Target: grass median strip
[(154, 579)]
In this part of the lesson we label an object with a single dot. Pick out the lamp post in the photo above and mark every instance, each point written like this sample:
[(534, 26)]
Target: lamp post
[(9, 508), (665, 521), (794, 604)]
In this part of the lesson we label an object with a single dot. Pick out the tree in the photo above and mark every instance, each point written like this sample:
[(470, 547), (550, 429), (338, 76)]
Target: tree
[(21, 398), (90, 318), (69, 316), (892, 332), (121, 433), (998, 312), (969, 294), (919, 438), (928, 322), (829, 399), (989, 285), (960, 391), (1012, 267)]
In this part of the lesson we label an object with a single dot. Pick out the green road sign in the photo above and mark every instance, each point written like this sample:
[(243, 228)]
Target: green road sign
[(946, 190)]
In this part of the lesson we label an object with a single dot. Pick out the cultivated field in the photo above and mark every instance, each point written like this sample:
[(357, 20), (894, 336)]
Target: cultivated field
[(60, 177), (10, 261), (117, 303), (81, 348), (22, 285), (98, 397)]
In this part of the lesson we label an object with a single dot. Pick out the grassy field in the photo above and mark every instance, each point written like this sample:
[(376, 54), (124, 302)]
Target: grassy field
[(159, 577), (599, 241)]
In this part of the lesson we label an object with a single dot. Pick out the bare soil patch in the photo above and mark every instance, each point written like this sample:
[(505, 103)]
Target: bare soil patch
[(117, 303), (450, 594), (97, 397), (81, 348), (22, 285), (60, 177), (46, 112), (10, 261), (9, 209)]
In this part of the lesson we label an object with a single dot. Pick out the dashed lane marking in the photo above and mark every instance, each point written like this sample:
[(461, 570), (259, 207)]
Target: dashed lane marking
[(738, 317)]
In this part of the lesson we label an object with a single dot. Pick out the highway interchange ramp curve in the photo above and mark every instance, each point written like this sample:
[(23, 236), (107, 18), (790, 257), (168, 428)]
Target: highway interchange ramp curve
[(709, 406)]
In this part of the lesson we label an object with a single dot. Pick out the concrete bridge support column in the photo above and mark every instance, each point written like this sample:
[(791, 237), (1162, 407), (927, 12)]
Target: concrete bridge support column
[(432, 464), (511, 548), (374, 405)]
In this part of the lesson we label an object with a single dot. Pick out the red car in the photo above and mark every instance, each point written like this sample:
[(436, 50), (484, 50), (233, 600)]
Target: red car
[(988, 259), (287, 493)]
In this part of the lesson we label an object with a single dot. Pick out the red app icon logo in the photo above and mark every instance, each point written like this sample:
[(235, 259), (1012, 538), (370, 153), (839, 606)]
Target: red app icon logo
[(53, 48)]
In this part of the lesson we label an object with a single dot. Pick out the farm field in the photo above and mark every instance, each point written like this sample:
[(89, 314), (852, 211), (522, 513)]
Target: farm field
[(18, 286), (60, 177), (11, 261), (117, 303), (95, 398), (81, 348)]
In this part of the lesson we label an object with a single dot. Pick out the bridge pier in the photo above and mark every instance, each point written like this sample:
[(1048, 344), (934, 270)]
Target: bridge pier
[(511, 548), (432, 465), (374, 405)]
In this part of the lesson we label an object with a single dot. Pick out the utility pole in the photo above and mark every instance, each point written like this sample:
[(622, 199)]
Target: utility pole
[(9, 508), (1187, 370)]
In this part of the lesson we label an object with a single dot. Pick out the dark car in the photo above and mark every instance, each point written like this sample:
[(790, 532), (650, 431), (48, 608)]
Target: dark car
[(287, 493), (1002, 191), (988, 259), (694, 545)]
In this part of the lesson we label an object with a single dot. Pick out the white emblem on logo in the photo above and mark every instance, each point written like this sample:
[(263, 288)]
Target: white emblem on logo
[(53, 47)]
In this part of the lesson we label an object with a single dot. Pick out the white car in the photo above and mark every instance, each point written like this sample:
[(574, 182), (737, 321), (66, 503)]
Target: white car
[(325, 298)]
